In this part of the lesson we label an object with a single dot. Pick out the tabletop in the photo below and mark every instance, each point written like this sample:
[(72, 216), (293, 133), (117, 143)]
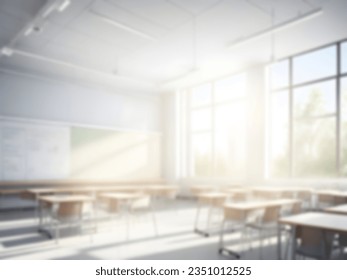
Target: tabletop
[(321, 220)]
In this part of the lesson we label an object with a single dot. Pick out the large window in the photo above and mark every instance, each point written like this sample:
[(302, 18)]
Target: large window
[(308, 119), (218, 127)]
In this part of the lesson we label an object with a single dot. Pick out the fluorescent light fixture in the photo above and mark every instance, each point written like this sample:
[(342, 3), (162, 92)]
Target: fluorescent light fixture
[(123, 26), (9, 52), (62, 7), (277, 28), (28, 31), (49, 10), (59, 6), (6, 51)]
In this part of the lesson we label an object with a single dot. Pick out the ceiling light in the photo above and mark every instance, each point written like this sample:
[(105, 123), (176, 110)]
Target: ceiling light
[(28, 31), (9, 52), (277, 28), (49, 10), (123, 26), (62, 7), (6, 51)]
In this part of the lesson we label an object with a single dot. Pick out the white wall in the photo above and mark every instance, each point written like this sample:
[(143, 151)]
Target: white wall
[(36, 98)]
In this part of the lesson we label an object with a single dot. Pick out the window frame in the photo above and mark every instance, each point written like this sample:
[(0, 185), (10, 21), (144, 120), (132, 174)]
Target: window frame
[(213, 105), (291, 88)]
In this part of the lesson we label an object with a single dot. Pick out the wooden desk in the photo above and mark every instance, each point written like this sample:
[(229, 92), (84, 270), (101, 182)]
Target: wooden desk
[(341, 209), (278, 192), (127, 199), (325, 221), (330, 197), (160, 190), (213, 200), (332, 193), (238, 194), (242, 211), (76, 182), (52, 200), (122, 197)]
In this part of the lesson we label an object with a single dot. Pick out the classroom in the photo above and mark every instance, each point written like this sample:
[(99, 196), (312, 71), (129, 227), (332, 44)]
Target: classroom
[(173, 129)]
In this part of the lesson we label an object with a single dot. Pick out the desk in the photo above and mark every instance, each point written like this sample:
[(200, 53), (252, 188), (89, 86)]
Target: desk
[(341, 209), (213, 200), (128, 200), (241, 212), (330, 197), (161, 190), (238, 194), (279, 192), (325, 221), (52, 200)]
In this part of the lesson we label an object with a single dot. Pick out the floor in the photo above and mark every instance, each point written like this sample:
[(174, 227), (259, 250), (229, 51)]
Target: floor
[(19, 238)]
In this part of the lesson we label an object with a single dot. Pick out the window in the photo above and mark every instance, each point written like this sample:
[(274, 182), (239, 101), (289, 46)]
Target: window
[(230, 88), (201, 95), (304, 137), (279, 73), (343, 126), (314, 65), (279, 138), (218, 117), (344, 57)]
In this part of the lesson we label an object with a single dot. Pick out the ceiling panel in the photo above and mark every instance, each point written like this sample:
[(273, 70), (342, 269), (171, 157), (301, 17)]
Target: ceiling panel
[(24, 10), (9, 26), (196, 6), (93, 27), (127, 18), (160, 12), (38, 40)]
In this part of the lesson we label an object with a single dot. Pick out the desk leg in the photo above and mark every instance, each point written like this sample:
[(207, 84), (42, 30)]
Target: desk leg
[(41, 227), (223, 249), (293, 237), (154, 220), (279, 242)]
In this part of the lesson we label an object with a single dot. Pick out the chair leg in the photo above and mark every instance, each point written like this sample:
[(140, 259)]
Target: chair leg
[(154, 221), (57, 233), (197, 217), (221, 236)]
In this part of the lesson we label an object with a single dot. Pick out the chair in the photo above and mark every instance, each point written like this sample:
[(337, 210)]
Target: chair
[(196, 190), (305, 197), (140, 206), (325, 200), (213, 202), (234, 220), (312, 243), (165, 196), (67, 213), (295, 208), (266, 224)]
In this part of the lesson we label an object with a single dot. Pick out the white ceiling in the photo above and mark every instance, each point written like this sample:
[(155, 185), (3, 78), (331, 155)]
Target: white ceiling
[(82, 47)]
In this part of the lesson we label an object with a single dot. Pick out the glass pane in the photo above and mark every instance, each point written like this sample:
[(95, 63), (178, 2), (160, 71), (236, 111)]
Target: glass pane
[(314, 148), (231, 88), (201, 95), (202, 154), (314, 65), (201, 119), (344, 57), (344, 126), (315, 100), (279, 74), (279, 134), (230, 140)]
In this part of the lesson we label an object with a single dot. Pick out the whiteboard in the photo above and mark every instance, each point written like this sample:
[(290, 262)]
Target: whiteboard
[(34, 151)]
